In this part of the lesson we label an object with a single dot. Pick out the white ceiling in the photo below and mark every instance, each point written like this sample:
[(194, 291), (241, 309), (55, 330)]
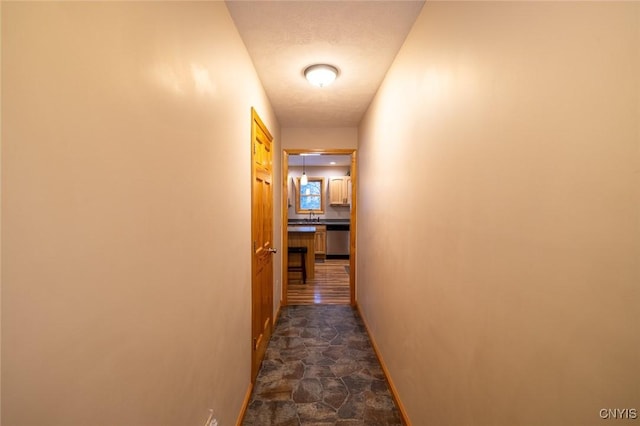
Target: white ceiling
[(360, 38)]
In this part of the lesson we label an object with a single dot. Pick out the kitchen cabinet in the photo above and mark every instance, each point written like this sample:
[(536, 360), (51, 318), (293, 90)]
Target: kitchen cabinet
[(321, 241), (340, 191)]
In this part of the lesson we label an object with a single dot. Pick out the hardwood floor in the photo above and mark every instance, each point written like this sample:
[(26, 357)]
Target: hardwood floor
[(329, 286)]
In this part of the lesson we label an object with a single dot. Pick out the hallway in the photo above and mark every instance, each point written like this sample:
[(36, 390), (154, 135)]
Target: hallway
[(320, 368), (495, 228)]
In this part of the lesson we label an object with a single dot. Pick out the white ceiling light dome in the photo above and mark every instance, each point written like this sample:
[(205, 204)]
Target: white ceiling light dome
[(321, 75)]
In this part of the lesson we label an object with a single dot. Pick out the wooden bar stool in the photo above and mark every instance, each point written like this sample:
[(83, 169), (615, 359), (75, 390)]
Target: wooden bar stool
[(303, 262)]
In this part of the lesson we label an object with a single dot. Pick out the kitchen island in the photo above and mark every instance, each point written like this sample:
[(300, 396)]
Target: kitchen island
[(303, 236)]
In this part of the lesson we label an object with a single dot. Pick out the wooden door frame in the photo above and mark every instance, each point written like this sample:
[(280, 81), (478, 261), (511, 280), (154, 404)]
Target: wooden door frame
[(352, 218)]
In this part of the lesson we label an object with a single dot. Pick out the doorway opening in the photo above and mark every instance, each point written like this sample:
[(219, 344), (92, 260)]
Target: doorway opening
[(319, 219)]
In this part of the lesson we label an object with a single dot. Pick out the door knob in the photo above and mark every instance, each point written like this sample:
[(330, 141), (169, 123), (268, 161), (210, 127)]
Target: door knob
[(272, 250)]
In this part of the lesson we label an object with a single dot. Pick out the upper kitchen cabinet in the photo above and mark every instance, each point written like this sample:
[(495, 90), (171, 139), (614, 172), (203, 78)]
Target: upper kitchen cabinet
[(340, 191)]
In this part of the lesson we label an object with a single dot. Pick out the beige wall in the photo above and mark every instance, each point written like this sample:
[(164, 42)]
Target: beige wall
[(499, 214), (126, 213), (0, 217), (319, 137)]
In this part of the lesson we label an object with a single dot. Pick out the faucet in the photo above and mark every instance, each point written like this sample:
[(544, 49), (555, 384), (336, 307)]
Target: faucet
[(310, 216)]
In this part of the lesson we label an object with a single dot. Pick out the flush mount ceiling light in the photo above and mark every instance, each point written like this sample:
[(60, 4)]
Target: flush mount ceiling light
[(321, 75)]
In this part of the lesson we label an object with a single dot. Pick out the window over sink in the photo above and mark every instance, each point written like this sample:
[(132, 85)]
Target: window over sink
[(310, 197)]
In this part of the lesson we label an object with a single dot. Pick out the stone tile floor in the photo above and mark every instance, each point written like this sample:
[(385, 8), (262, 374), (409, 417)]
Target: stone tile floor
[(320, 369)]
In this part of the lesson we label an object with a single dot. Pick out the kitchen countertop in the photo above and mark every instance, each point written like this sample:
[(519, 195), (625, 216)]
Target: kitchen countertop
[(304, 222)]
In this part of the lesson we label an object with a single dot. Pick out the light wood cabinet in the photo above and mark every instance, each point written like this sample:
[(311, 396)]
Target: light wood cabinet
[(321, 241), (340, 191)]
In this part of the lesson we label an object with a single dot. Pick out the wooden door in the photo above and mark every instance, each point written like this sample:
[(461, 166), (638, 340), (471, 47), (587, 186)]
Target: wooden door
[(262, 240)]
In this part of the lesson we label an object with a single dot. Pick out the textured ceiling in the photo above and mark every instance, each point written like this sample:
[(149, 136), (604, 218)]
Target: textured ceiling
[(360, 38)]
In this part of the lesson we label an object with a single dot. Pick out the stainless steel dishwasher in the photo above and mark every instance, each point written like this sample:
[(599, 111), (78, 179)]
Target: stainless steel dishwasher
[(338, 243)]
